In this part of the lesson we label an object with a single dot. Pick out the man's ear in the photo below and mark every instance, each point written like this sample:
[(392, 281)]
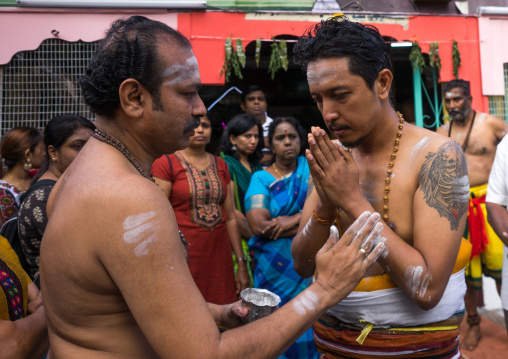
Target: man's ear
[(242, 105), (133, 98), (383, 83)]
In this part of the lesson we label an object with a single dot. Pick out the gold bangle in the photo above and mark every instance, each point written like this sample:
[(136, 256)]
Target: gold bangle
[(316, 218)]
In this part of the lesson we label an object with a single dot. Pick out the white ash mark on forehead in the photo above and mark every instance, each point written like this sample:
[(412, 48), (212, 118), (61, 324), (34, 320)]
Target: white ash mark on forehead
[(182, 72), (318, 75)]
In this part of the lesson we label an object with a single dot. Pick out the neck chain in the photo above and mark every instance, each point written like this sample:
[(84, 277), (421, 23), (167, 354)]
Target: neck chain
[(101, 136), (390, 166), (277, 170)]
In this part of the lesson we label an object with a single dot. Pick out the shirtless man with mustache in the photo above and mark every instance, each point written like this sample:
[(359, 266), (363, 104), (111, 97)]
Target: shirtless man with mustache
[(479, 135), (114, 275)]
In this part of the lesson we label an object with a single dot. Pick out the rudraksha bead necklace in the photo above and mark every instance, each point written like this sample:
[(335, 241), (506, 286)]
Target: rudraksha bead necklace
[(390, 166)]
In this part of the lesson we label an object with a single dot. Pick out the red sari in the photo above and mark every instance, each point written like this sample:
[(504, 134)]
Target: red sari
[(197, 198)]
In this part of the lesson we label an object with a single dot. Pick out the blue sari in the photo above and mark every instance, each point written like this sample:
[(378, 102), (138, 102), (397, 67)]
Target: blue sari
[(274, 270)]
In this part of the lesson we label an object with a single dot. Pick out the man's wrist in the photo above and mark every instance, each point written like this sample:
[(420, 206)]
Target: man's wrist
[(326, 297), (356, 207), (323, 210)]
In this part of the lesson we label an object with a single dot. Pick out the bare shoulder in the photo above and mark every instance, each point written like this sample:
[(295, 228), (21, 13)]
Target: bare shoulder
[(493, 120), (443, 178), (443, 129), (132, 199), (496, 123), (141, 219), (422, 141)]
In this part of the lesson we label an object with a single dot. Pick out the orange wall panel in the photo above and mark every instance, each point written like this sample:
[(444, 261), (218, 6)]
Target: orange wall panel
[(208, 31)]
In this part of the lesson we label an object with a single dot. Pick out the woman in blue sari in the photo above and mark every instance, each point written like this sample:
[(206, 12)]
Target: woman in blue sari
[(274, 202)]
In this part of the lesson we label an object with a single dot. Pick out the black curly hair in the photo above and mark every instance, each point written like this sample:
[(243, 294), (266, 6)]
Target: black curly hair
[(361, 44), (128, 50)]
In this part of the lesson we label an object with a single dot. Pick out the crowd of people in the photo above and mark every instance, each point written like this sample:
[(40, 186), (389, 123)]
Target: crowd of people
[(358, 230)]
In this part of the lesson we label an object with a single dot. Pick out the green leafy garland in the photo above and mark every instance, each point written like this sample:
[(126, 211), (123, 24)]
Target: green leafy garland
[(456, 59), (240, 52), (278, 57), (435, 60), (416, 57), (258, 51), (275, 63), (234, 59), (283, 53)]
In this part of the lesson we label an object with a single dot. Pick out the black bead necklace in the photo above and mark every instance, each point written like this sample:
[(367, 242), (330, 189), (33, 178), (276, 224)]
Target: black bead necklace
[(101, 136)]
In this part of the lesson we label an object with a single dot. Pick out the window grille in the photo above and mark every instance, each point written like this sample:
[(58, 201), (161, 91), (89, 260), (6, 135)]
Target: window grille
[(497, 104), (37, 85)]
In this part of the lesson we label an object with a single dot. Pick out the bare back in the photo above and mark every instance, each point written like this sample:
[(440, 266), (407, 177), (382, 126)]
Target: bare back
[(91, 319), (486, 133)]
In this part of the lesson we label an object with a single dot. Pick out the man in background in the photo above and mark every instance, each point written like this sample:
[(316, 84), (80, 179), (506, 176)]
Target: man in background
[(478, 134), (254, 103)]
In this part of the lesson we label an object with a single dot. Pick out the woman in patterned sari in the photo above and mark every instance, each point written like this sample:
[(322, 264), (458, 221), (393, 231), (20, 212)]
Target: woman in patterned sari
[(22, 151), (274, 202), (64, 136), (197, 185)]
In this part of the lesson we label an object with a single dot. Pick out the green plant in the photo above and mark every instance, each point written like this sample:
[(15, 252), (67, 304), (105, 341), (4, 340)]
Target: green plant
[(231, 61), (275, 63), (416, 57), (240, 52), (258, 51), (456, 59), (435, 60), (283, 53)]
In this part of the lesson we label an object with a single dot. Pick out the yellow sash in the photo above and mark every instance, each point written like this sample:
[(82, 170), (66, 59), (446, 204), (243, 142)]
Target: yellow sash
[(384, 281)]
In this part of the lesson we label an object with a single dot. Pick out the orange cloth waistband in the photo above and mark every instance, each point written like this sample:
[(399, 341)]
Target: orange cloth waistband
[(384, 281)]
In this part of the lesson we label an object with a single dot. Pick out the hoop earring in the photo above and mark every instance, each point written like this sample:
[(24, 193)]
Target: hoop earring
[(27, 164)]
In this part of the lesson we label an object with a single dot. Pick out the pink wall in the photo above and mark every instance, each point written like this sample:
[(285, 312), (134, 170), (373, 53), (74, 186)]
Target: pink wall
[(494, 53), (23, 30)]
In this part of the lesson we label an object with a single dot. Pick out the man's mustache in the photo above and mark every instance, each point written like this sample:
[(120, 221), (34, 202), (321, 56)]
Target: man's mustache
[(192, 124)]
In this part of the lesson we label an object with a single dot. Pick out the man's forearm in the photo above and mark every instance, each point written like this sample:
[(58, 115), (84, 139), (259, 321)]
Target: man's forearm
[(215, 311), (498, 219)]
